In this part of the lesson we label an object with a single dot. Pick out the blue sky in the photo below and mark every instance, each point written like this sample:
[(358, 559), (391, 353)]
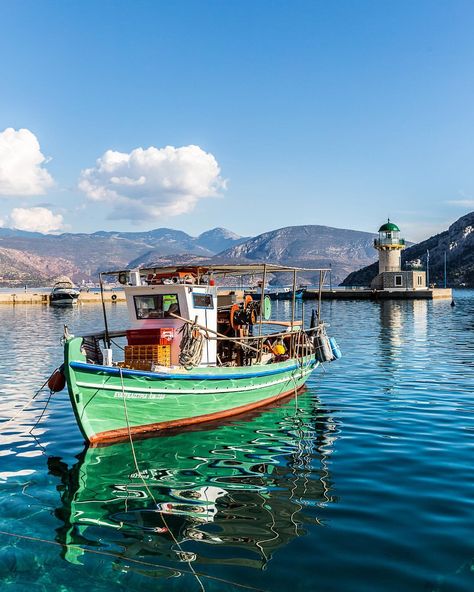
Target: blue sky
[(336, 113)]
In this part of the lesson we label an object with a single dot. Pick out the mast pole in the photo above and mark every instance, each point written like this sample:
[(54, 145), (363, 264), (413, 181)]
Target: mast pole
[(445, 271), (106, 326)]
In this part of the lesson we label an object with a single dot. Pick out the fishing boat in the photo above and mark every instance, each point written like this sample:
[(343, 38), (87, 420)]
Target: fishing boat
[(64, 293), (190, 355)]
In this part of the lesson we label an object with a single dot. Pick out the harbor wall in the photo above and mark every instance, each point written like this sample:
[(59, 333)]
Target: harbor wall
[(360, 294), (18, 297)]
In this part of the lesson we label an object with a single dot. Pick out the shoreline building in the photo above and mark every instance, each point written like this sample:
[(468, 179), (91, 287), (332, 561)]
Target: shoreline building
[(390, 276)]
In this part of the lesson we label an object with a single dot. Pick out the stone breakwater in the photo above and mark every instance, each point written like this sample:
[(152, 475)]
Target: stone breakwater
[(19, 297)]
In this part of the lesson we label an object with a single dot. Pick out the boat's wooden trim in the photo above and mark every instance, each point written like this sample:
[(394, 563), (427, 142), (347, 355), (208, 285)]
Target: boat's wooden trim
[(124, 433)]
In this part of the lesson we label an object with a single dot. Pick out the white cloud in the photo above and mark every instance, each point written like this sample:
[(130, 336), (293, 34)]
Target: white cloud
[(36, 220), (147, 183), (21, 160)]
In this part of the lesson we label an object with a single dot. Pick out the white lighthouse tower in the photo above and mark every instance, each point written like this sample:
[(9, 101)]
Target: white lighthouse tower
[(390, 247), (390, 276)]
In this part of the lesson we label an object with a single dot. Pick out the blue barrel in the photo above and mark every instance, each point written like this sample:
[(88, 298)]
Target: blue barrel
[(336, 352)]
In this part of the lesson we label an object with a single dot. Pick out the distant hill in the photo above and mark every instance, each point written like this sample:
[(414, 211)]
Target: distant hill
[(307, 246), (458, 244), (205, 245), (23, 268), (82, 256), (88, 254)]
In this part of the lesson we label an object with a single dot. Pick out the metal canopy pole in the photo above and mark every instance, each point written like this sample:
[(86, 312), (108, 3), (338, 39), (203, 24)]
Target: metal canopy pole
[(293, 311), (321, 279), (293, 302), (262, 300)]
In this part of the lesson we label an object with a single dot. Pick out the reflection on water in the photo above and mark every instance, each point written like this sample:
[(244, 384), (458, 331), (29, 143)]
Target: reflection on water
[(241, 488), (403, 327)]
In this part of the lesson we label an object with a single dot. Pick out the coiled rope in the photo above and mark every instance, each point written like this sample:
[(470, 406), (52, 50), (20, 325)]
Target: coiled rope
[(192, 343)]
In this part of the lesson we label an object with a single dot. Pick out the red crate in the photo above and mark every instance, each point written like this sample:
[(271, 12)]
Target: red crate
[(161, 336), (143, 336)]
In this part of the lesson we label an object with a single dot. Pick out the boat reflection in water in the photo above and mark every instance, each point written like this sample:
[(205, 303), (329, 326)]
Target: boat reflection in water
[(233, 494)]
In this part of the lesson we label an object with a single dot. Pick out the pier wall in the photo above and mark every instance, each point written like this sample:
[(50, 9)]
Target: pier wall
[(358, 294), (32, 297)]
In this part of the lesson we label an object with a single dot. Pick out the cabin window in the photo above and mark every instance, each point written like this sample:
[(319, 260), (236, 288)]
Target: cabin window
[(156, 306), (420, 280), (398, 280), (203, 301)]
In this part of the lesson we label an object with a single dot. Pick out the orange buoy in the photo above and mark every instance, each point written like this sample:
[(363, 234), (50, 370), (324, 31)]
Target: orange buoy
[(57, 380)]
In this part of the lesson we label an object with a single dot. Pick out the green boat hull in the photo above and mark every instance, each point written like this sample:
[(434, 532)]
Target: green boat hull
[(112, 403)]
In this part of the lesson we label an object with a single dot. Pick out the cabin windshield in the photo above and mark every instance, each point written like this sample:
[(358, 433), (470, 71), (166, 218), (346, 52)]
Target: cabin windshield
[(156, 306)]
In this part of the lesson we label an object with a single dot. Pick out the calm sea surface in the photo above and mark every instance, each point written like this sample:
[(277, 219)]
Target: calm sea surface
[(365, 482)]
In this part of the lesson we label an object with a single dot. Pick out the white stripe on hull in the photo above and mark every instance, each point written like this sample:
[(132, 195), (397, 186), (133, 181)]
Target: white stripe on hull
[(297, 375)]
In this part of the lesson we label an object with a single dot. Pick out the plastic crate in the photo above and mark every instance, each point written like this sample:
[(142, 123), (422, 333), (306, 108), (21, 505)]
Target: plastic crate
[(158, 354)]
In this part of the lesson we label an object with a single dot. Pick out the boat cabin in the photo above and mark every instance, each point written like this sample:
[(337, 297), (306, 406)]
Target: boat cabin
[(154, 306)]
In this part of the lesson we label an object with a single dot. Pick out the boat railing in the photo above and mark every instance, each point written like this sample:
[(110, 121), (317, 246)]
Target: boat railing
[(254, 343)]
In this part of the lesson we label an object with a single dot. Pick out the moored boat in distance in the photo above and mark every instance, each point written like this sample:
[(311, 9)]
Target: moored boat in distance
[(191, 354), (64, 293), (286, 294)]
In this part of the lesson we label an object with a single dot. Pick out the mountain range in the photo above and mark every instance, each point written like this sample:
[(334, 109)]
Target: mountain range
[(34, 258)]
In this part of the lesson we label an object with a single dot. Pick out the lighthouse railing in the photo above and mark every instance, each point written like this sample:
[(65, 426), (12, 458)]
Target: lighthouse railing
[(387, 242)]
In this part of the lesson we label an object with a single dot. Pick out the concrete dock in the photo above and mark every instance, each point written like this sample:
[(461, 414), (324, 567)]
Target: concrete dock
[(387, 294), (32, 297)]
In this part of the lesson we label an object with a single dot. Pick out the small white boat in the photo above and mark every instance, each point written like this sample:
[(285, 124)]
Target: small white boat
[(64, 293)]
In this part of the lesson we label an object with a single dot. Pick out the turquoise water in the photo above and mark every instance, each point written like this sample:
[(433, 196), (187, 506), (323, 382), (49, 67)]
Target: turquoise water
[(364, 482)]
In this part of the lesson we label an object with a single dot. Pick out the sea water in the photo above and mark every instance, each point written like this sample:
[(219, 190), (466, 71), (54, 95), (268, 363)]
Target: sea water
[(363, 482)]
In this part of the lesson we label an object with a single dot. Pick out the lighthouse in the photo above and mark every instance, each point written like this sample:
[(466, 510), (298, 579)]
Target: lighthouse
[(390, 246), (391, 276)]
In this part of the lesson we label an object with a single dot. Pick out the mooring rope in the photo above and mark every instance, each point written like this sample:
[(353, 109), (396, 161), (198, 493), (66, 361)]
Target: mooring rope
[(149, 490), (125, 558), (42, 412)]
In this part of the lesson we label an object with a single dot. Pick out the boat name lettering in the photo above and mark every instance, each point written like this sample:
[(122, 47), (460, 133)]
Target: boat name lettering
[(120, 395)]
